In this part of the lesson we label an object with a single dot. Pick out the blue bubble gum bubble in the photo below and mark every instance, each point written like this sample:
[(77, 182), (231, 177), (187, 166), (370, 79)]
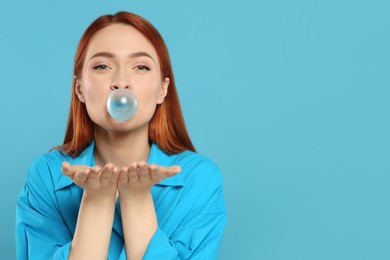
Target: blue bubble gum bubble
[(122, 104)]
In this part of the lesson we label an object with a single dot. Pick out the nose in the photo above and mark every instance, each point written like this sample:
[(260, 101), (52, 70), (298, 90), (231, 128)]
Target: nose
[(120, 80), (118, 85)]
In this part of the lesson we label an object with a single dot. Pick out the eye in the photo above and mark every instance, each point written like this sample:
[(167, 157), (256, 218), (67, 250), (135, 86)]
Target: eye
[(142, 67), (101, 67)]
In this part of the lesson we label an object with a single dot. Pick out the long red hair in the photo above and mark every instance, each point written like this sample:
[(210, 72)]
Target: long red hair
[(167, 128)]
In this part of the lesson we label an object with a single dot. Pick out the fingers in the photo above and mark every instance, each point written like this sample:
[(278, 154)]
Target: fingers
[(96, 176), (159, 173), (123, 176), (75, 172), (70, 170), (166, 172), (172, 170), (80, 177), (93, 177), (66, 169), (155, 173), (143, 171), (133, 172), (106, 173)]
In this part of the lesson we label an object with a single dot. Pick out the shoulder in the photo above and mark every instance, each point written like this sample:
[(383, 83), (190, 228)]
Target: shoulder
[(49, 159), (49, 164), (46, 167), (43, 173), (192, 160)]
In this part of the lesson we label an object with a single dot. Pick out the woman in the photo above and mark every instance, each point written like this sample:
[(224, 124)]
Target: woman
[(131, 189)]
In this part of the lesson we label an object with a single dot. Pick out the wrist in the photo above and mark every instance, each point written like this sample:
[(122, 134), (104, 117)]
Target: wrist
[(138, 199), (96, 199)]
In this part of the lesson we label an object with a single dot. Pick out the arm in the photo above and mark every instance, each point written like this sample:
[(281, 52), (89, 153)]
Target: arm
[(139, 223), (198, 220), (139, 219), (96, 214)]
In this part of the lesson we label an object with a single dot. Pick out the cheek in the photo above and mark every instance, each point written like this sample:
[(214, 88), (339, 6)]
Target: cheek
[(94, 88), (96, 107), (149, 88), (148, 97), (95, 97)]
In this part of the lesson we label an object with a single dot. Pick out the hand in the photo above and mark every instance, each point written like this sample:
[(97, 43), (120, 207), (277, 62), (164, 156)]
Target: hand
[(97, 182), (138, 178)]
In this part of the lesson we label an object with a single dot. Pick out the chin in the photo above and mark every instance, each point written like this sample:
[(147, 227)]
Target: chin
[(127, 126), (134, 124)]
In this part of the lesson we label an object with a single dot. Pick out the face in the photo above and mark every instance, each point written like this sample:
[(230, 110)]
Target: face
[(119, 56)]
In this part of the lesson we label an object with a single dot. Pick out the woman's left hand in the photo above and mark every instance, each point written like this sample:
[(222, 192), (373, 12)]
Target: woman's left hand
[(138, 178)]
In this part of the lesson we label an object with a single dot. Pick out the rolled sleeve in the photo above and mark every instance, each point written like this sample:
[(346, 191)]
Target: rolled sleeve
[(40, 230), (62, 252), (37, 236), (199, 236), (160, 247)]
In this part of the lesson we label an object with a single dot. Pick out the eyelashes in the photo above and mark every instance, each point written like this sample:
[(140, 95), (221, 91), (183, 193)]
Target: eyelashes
[(101, 67), (141, 67)]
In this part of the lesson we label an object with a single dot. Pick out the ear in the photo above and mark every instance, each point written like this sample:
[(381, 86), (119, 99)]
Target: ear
[(164, 91), (78, 91)]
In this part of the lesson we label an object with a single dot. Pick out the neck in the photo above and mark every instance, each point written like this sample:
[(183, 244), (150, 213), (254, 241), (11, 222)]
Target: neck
[(121, 149)]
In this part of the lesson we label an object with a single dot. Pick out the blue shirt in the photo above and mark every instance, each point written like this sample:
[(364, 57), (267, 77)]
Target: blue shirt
[(190, 209)]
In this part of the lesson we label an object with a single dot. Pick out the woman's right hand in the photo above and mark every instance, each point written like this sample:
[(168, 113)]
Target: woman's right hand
[(97, 182), (96, 214)]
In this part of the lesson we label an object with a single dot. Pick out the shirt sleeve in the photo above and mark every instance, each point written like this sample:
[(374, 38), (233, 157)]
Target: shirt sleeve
[(202, 213), (200, 239), (40, 230)]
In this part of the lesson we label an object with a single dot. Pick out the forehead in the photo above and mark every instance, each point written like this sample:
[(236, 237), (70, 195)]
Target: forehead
[(120, 39)]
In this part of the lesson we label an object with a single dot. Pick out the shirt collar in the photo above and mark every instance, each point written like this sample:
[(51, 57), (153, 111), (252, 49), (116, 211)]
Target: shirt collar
[(156, 155)]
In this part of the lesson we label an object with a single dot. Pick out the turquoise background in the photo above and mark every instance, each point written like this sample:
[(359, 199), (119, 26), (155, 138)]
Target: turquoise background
[(290, 98)]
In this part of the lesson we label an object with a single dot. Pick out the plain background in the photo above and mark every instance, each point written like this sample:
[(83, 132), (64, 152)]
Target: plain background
[(290, 98)]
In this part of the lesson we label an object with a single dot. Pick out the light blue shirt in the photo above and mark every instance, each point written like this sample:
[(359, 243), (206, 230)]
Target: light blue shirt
[(190, 209)]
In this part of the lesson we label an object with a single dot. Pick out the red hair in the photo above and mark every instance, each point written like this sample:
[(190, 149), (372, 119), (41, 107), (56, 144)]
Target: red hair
[(167, 128)]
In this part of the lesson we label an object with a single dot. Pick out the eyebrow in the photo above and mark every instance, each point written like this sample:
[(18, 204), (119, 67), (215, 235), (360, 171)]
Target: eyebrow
[(131, 56)]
